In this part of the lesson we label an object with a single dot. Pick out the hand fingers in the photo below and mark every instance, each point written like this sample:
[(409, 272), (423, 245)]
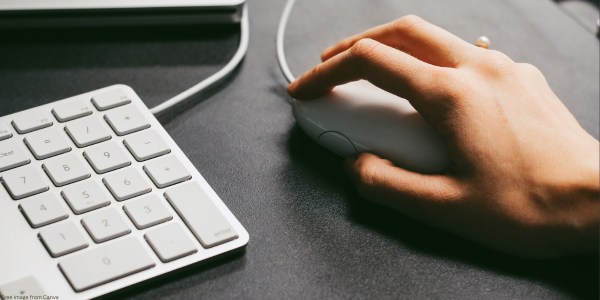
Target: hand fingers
[(424, 85), (413, 35), (424, 197)]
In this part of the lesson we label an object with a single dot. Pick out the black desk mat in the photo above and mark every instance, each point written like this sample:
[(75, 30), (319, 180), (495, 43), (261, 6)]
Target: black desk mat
[(312, 236)]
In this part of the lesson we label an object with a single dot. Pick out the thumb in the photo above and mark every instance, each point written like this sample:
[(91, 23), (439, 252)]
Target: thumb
[(420, 196)]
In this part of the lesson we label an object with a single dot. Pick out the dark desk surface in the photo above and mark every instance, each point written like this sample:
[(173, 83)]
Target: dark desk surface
[(312, 236)]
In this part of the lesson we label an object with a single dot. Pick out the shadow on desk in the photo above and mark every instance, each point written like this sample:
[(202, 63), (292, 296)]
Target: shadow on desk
[(575, 276)]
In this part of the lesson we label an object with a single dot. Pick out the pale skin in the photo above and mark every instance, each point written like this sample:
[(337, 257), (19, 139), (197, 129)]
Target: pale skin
[(524, 176)]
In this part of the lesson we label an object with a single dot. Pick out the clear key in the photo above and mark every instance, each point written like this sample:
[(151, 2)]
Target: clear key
[(62, 238), (66, 169), (87, 131), (107, 263), (126, 184), (146, 145), (23, 182), (106, 157), (43, 210), (126, 120), (85, 196), (167, 171), (30, 121), (12, 155), (46, 143), (105, 225)]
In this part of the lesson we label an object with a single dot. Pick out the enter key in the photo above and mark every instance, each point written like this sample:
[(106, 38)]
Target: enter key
[(200, 214)]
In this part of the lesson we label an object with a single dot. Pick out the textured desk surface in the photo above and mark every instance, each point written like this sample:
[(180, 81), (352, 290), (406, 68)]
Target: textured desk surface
[(312, 236)]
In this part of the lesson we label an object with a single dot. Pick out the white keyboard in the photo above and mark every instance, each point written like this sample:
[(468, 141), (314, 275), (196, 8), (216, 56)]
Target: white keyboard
[(97, 196)]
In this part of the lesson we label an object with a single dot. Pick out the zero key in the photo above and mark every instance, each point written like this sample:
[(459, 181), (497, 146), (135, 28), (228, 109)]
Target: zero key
[(109, 262)]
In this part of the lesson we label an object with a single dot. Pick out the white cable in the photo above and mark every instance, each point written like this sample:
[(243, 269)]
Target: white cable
[(279, 41), (227, 69)]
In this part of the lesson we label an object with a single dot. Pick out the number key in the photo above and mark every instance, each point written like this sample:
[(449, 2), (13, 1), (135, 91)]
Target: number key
[(126, 184), (43, 210), (147, 211), (105, 225), (107, 157), (23, 182), (85, 196), (66, 169), (62, 238)]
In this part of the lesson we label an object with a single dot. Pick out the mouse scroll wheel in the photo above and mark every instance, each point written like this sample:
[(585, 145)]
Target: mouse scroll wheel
[(337, 142)]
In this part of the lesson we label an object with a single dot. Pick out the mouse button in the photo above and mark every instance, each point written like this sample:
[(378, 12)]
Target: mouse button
[(337, 143)]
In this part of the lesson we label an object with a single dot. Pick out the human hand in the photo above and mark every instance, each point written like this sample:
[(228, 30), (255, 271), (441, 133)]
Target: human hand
[(524, 176)]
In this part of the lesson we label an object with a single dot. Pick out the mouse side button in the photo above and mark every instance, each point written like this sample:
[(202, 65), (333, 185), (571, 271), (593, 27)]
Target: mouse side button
[(337, 143)]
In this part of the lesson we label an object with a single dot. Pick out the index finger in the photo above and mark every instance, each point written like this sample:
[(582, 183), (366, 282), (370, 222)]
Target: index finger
[(415, 36), (422, 84)]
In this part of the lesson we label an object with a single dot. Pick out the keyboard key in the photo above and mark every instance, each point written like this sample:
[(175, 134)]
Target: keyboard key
[(147, 211), (72, 110), (126, 120), (25, 286), (23, 182), (107, 263), (30, 121), (87, 131), (146, 145), (4, 132), (200, 214), (170, 242), (107, 157), (42, 210), (66, 169), (167, 171), (46, 143), (12, 155), (110, 99), (105, 225), (85, 196), (126, 184), (62, 238)]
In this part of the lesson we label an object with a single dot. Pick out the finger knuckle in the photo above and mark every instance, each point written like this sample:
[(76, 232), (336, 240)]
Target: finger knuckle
[(317, 70), (499, 63), (407, 24), (363, 49), (530, 70)]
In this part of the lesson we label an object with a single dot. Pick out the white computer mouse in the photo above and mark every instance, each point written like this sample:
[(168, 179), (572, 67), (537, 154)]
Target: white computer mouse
[(360, 117)]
